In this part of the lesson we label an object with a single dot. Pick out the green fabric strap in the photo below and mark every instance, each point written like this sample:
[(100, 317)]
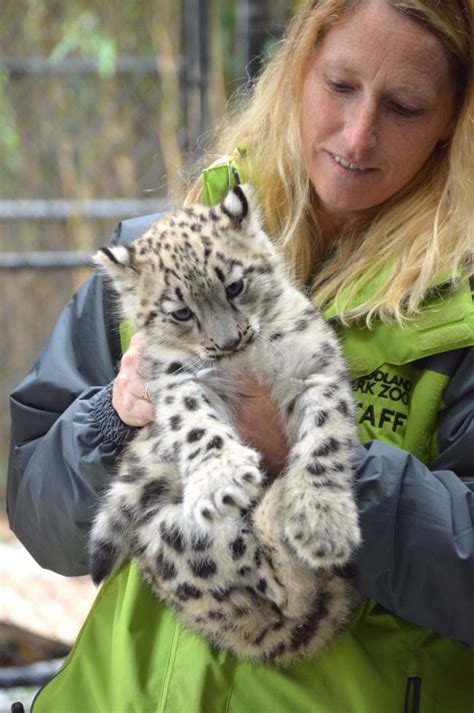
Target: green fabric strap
[(127, 330), (218, 181), (447, 323)]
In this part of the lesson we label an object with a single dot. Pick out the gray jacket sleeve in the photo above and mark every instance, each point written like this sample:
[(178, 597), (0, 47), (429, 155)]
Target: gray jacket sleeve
[(417, 559), (65, 433)]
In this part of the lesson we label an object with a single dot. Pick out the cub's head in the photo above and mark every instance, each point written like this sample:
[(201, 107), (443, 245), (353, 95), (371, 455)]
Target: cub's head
[(201, 279)]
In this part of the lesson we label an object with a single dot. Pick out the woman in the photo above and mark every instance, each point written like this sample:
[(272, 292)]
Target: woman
[(358, 137)]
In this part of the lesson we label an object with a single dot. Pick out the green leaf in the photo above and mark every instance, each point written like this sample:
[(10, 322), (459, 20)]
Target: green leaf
[(106, 55)]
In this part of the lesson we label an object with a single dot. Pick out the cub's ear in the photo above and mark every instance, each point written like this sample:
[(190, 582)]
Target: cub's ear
[(236, 204), (111, 259), (119, 264)]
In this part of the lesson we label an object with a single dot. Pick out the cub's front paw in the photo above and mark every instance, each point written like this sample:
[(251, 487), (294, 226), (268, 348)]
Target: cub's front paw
[(322, 528), (224, 486)]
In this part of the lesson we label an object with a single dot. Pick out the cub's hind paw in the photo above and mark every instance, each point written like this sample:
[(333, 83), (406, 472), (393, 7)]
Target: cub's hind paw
[(322, 552), (323, 531)]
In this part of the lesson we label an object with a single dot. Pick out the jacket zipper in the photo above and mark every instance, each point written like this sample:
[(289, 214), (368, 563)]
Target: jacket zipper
[(413, 695)]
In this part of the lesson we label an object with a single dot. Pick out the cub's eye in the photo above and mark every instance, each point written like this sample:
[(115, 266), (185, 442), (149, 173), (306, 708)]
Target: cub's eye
[(234, 289), (182, 315)]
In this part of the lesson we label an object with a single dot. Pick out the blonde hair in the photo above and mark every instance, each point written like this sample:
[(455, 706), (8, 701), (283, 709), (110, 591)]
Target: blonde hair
[(421, 235)]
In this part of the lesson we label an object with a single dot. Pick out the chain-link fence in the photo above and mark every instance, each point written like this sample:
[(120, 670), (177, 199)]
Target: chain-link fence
[(100, 101)]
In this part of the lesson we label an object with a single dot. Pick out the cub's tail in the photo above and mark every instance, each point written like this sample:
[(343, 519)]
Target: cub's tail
[(126, 514), (109, 544)]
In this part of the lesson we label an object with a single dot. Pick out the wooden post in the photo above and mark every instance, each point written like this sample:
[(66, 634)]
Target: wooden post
[(195, 78)]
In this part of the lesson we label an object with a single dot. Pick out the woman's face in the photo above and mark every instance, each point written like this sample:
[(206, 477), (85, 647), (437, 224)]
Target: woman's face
[(377, 98)]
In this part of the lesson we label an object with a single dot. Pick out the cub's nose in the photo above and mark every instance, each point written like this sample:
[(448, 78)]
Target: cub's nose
[(228, 345)]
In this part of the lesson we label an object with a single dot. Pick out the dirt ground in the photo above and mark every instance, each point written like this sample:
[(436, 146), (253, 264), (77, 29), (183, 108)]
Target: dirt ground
[(39, 600)]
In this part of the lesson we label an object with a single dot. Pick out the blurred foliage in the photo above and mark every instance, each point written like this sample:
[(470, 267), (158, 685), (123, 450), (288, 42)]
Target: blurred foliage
[(9, 135), (105, 133), (82, 34)]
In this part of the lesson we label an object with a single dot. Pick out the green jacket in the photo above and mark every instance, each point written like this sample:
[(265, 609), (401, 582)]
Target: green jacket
[(133, 654)]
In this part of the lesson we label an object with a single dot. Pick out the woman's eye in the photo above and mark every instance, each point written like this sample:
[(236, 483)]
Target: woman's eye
[(234, 289), (182, 315), (403, 110), (339, 87)]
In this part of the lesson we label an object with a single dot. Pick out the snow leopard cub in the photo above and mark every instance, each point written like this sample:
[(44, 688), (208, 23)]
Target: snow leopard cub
[(253, 565)]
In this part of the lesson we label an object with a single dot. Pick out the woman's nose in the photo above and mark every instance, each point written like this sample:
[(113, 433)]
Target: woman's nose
[(360, 129)]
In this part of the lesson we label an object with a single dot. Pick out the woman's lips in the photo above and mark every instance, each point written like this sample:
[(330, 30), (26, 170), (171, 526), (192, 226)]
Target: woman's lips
[(349, 165)]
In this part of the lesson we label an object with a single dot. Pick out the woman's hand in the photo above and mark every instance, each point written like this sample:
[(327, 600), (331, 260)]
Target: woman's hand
[(128, 394), (258, 423)]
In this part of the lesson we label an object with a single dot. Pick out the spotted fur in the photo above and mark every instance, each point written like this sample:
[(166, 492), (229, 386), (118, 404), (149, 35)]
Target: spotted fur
[(257, 567)]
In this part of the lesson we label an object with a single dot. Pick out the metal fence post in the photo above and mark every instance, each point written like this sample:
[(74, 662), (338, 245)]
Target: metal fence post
[(252, 24)]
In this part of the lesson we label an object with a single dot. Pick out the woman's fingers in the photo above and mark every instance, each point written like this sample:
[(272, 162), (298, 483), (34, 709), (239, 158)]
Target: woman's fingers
[(129, 395)]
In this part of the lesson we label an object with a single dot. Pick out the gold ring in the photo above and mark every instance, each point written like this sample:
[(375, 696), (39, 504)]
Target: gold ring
[(146, 395)]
